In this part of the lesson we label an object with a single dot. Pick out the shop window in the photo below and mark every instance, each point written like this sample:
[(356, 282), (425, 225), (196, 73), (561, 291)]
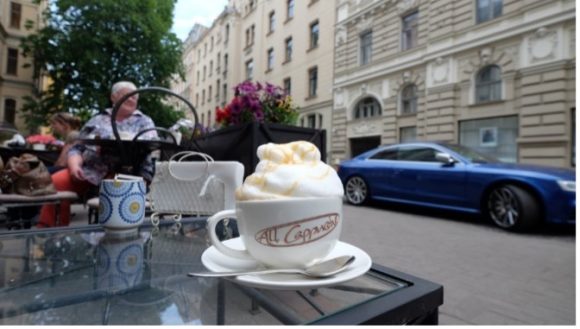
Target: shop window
[(494, 136), (408, 134)]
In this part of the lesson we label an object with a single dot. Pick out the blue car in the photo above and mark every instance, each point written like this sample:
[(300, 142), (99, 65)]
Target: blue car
[(513, 196)]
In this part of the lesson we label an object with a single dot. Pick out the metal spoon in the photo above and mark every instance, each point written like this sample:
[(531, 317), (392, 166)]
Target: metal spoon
[(319, 270)]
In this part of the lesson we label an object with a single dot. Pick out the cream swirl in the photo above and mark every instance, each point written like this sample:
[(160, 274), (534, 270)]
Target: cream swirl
[(290, 170)]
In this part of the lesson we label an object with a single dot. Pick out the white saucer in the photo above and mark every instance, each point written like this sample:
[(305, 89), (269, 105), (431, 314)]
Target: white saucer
[(215, 261)]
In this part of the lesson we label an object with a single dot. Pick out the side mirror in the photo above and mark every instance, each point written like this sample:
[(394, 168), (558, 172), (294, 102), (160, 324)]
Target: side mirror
[(445, 158)]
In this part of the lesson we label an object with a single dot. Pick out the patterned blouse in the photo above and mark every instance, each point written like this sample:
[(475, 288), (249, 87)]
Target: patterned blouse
[(96, 166)]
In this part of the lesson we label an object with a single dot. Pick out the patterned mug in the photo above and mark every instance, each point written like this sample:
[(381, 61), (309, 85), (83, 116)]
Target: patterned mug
[(121, 203)]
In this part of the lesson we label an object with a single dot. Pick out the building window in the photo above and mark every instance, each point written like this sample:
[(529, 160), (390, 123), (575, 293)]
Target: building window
[(218, 62), (250, 35), (271, 22), (287, 86), (12, 63), (270, 59), (410, 28), (197, 78), (288, 49), (203, 97), (10, 111), (314, 34), (250, 69), (227, 34), (494, 136), (290, 9), (312, 81), (408, 134), (210, 68), (217, 90), (409, 100), (211, 45), (197, 100), (204, 72), (367, 108), (225, 92), (366, 47), (313, 121), (15, 15), (488, 10), (209, 94), (488, 84), (225, 65)]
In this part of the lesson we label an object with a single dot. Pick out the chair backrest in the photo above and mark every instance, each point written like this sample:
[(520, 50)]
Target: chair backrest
[(195, 188)]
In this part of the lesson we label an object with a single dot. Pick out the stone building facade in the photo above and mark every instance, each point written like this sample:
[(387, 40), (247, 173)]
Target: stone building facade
[(16, 81), (498, 76), (289, 43)]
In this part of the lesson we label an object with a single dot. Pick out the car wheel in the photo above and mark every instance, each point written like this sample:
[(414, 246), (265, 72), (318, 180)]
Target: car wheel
[(513, 208), (356, 190)]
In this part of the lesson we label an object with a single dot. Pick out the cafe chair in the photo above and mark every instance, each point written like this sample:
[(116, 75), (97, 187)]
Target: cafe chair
[(17, 200)]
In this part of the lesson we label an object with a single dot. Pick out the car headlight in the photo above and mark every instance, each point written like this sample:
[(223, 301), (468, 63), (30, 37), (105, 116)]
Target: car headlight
[(567, 185)]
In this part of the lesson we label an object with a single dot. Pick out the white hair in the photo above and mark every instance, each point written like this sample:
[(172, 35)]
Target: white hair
[(122, 85)]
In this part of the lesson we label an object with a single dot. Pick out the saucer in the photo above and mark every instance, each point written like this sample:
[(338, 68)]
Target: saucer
[(215, 261)]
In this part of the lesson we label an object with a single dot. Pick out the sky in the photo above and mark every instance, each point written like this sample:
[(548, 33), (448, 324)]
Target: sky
[(189, 12)]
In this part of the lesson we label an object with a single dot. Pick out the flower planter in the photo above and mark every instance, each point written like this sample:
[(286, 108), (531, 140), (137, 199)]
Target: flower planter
[(239, 143)]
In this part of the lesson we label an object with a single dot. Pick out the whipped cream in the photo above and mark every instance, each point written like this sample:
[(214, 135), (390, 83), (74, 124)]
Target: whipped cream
[(288, 171)]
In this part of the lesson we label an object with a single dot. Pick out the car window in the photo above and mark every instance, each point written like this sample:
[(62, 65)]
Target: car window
[(389, 154), (417, 153)]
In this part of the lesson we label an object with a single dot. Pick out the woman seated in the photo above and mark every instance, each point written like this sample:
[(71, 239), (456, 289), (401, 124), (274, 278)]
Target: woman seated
[(86, 167), (66, 126)]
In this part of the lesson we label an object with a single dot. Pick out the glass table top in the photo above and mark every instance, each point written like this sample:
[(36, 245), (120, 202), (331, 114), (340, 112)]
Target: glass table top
[(84, 276)]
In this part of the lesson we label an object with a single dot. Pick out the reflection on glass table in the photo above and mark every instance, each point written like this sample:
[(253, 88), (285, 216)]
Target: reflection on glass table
[(82, 276)]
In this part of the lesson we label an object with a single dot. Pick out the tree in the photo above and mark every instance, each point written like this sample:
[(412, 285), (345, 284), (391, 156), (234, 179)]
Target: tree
[(87, 45)]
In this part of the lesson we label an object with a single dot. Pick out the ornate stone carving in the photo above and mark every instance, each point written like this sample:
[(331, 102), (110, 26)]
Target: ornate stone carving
[(440, 72), (485, 55), (365, 23), (340, 36), (363, 88), (366, 128), (406, 5), (542, 45)]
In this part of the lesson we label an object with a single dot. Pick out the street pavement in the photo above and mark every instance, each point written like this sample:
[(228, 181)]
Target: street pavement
[(490, 276)]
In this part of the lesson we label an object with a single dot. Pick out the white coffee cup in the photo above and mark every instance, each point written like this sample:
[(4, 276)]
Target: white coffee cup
[(283, 233), (122, 203)]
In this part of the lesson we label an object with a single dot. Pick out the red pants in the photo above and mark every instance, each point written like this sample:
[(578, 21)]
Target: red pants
[(62, 181)]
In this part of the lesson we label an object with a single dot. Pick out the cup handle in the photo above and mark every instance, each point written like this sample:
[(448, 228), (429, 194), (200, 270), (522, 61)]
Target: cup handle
[(215, 241)]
